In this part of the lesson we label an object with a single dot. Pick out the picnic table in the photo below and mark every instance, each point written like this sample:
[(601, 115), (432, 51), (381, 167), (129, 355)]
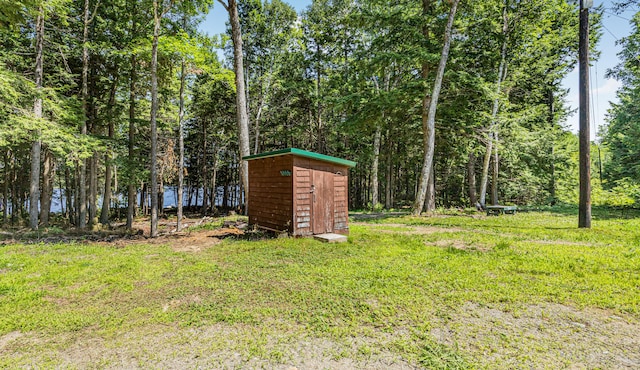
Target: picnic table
[(498, 210)]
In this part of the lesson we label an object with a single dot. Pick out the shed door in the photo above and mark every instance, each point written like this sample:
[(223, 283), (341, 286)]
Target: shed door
[(322, 198)]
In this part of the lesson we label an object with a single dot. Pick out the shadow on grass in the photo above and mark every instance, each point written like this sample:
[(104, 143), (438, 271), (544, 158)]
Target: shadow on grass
[(376, 216), (597, 212)]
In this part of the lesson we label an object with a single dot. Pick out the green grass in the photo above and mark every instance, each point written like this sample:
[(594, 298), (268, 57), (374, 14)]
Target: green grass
[(392, 286)]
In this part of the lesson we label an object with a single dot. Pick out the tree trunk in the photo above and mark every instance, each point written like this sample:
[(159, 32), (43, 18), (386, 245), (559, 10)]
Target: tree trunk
[(154, 129), (241, 103), (93, 191), (108, 176), (205, 169), (320, 133), (256, 127), (584, 202), (106, 201), (471, 179), (5, 189), (82, 221), (375, 200), (492, 135), (431, 116), (552, 154), (131, 188), (34, 186), (69, 193), (180, 200), (48, 176), (496, 166), (388, 198), (431, 192), (143, 199), (214, 174)]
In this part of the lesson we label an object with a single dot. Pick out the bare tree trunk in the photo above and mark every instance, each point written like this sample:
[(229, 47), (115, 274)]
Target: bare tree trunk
[(131, 188), (5, 189), (70, 194), (180, 200), (214, 175), (584, 139), (205, 169), (161, 195), (496, 167), (492, 135), (389, 172), (93, 191), (48, 177), (375, 199), (108, 177), (82, 201), (431, 192), (552, 154), (485, 168), (431, 117), (106, 201), (241, 103), (320, 132), (154, 128), (256, 127), (471, 179), (34, 186)]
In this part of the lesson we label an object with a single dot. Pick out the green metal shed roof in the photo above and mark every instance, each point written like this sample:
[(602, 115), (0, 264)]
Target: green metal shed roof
[(302, 153)]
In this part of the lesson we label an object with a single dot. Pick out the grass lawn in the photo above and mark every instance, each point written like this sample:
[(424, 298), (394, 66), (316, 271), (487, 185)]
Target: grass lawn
[(447, 291)]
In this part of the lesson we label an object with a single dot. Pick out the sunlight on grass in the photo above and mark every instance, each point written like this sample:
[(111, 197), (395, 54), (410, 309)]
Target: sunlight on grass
[(378, 283)]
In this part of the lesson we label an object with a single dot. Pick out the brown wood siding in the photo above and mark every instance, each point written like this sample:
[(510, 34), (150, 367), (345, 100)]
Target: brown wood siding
[(341, 209), (302, 200), (303, 169), (270, 193)]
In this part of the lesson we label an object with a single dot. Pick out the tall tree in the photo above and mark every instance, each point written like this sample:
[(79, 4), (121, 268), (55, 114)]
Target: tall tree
[(492, 134), (427, 166), (231, 7), (157, 17), (34, 189)]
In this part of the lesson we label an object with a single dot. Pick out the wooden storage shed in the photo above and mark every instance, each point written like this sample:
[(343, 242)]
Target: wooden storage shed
[(301, 192)]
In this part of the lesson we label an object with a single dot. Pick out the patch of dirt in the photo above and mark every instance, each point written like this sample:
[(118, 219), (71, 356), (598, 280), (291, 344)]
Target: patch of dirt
[(542, 336), (193, 243), (118, 236), (8, 338), (220, 346)]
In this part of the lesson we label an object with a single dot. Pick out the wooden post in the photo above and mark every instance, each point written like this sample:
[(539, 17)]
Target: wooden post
[(584, 213)]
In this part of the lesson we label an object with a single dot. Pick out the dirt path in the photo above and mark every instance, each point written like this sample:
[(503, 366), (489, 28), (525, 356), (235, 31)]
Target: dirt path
[(543, 336)]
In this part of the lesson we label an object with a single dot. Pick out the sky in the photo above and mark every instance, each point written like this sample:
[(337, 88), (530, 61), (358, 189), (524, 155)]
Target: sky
[(603, 90)]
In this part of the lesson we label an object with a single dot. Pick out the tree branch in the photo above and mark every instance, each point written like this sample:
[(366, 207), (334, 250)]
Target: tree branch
[(95, 10), (224, 5)]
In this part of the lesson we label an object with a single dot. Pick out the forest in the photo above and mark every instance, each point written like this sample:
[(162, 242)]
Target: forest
[(107, 104)]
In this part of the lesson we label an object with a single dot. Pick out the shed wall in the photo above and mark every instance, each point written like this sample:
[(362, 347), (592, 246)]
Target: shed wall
[(303, 170), (270, 193)]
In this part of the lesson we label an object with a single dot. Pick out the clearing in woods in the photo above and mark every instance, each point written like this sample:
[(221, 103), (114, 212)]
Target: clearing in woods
[(447, 291)]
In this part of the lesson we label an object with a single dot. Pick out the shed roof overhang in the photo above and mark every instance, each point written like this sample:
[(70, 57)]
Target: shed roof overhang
[(302, 153)]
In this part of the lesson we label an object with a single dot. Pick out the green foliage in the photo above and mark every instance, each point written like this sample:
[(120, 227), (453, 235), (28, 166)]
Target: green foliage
[(620, 136)]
